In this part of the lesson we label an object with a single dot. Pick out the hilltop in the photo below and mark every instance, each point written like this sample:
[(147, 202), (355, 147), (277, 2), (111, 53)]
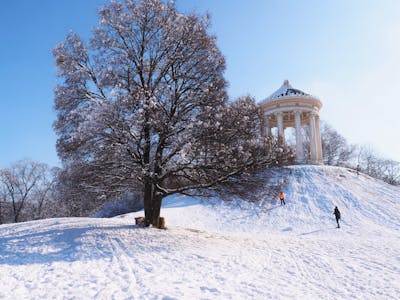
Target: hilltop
[(221, 250)]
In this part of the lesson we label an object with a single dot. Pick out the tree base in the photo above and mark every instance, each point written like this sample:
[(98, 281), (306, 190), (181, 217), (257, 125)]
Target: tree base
[(140, 221), (161, 223)]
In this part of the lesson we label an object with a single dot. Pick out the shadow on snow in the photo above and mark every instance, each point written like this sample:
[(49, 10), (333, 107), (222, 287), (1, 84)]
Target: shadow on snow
[(58, 245)]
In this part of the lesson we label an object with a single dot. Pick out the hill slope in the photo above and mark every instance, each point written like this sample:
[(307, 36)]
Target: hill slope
[(312, 192), (217, 250)]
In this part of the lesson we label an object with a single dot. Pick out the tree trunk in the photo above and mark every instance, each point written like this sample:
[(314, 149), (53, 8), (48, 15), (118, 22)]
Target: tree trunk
[(148, 185), (157, 200), (152, 205), (148, 203)]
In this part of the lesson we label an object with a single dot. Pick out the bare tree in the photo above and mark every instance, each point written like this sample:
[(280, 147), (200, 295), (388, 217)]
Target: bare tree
[(391, 173), (370, 162), (336, 151), (21, 182), (135, 106), (43, 197)]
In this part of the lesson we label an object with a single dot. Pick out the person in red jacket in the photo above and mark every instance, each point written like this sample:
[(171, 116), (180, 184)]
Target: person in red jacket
[(282, 198)]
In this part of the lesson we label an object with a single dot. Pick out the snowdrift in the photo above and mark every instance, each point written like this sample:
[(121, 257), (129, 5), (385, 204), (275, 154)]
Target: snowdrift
[(221, 250)]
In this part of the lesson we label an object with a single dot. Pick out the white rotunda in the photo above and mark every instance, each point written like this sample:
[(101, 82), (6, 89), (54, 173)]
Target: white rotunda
[(290, 107)]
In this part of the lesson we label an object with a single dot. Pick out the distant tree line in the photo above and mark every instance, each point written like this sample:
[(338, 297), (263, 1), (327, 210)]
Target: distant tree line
[(363, 158), (31, 190)]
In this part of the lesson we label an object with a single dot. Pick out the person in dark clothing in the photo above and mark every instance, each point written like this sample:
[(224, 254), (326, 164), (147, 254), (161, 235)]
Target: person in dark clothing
[(336, 212), (282, 198)]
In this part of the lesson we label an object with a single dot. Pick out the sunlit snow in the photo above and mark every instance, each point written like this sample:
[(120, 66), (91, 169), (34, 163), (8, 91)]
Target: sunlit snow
[(216, 250)]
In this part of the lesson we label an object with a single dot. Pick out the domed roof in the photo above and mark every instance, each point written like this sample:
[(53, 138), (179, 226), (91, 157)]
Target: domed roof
[(286, 91)]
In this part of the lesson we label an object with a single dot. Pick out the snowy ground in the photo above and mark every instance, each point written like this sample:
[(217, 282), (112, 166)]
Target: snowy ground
[(217, 250)]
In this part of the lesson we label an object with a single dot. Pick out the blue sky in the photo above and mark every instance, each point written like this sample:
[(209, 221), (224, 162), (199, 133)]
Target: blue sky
[(345, 52)]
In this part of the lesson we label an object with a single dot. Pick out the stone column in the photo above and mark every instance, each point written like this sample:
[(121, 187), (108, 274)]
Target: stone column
[(267, 126), (281, 131), (262, 128), (318, 140), (299, 139), (313, 144)]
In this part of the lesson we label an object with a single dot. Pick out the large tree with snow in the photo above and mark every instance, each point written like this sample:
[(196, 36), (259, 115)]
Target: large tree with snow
[(144, 105)]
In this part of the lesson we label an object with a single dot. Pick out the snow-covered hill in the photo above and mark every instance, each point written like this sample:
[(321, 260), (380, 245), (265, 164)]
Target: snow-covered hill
[(219, 250), (312, 192)]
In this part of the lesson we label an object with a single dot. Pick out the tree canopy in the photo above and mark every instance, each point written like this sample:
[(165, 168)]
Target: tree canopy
[(144, 106)]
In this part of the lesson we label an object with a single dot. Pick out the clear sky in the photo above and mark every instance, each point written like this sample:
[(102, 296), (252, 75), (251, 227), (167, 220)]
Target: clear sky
[(346, 52)]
